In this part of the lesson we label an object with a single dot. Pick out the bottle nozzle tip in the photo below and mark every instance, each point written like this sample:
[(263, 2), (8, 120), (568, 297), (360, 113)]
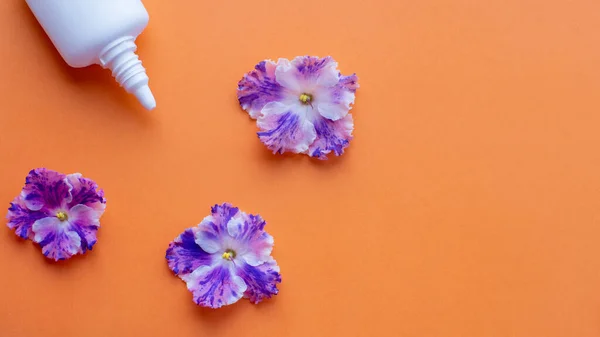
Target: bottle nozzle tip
[(144, 95)]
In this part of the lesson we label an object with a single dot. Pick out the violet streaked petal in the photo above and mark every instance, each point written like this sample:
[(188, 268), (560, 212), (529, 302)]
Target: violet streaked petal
[(316, 72), (261, 280), (331, 136), (349, 83), (248, 232), (210, 232), (259, 87), (85, 191), (56, 240), (20, 218), (285, 129), (208, 235), (184, 255), (215, 286), (337, 102), (223, 213), (46, 189), (85, 221)]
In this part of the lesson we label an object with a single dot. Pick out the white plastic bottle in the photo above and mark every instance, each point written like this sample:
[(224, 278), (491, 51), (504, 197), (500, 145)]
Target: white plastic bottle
[(87, 32)]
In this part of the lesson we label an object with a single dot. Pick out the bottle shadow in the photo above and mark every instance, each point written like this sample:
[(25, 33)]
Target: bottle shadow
[(89, 80)]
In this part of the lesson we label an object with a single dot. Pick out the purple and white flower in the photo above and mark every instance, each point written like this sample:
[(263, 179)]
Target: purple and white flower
[(60, 212), (226, 257), (301, 106)]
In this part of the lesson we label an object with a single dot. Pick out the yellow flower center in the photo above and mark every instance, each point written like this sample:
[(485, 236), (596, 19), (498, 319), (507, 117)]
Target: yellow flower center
[(306, 98), (62, 216), (229, 254)]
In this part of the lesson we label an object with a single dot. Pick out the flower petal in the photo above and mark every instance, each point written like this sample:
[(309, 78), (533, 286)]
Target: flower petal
[(288, 77), (337, 102), (86, 192), (259, 87), (211, 231), (285, 129), (215, 286), (316, 71), (261, 280), (248, 232), (184, 255), (335, 111), (46, 188), (208, 237), (20, 218), (331, 136), (85, 221), (57, 242), (223, 213), (349, 83)]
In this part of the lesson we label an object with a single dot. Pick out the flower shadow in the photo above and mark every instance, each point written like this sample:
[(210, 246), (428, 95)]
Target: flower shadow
[(278, 159), (332, 161), (22, 245), (215, 319), (69, 264), (19, 242)]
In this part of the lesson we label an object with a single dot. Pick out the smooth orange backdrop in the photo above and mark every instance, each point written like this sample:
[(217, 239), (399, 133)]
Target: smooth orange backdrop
[(468, 203)]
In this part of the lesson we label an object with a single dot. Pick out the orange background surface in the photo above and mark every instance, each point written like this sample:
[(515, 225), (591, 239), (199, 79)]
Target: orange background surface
[(467, 204)]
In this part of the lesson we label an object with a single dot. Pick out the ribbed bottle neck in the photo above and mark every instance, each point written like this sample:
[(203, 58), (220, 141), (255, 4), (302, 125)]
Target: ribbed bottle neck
[(127, 69)]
